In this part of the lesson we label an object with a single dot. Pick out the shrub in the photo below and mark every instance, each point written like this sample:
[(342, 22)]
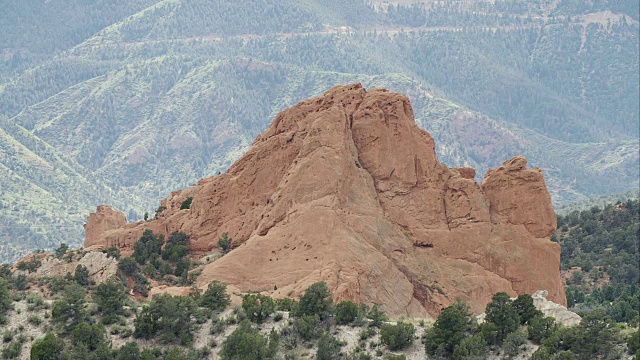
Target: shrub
[(316, 301), (128, 266), (278, 316), (6, 300), (543, 353), (245, 343), (7, 336), (168, 318), (634, 342), (112, 252), (449, 329), (35, 302), (81, 275), (564, 355), (258, 307), (525, 308), (501, 312), (396, 357), (89, 336), (367, 333), (346, 312), (540, 328), (328, 348), (70, 309), (186, 204), (12, 351), (176, 248), (469, 348), (377, 316), (48, 348), (285, 304), (397, 337), (308, 327), (146, 246), (30, 266), (130, 351), (61, 250), (513, 342), (224, 242), (20, 282), (34, 320), (217, 325), (216, 297)]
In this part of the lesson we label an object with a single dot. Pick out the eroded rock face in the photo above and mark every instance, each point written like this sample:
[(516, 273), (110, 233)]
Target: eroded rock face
[(104, 219), (345, 188)]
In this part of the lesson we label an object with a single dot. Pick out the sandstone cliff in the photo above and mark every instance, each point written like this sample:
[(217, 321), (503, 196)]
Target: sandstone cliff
[(345, 188)]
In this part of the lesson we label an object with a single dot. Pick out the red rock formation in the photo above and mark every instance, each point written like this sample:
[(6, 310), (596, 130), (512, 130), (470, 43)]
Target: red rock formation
[(101, 221), (345, 188)]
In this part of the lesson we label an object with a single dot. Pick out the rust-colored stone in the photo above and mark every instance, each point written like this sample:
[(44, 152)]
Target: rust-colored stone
[(345, 188)]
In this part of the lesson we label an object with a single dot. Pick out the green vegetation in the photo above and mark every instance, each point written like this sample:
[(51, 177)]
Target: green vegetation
[(501, 313), (599, 247), (186, 204), (69, 310), (346, 312), (215, 297), (6, 300), (593, 338), (61, 250), (246, 342), (81, 275), (110, 298), (85, 328), (168, 318), (224, 242), (258, 307), (328, 347), (48, 348), (316, 301), (451, 328), (398, 336), (147, 246)]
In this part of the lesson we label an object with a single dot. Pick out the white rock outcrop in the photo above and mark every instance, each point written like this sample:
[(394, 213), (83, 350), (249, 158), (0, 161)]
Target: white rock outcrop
[(562, 315), (549, 309), (100, 267)]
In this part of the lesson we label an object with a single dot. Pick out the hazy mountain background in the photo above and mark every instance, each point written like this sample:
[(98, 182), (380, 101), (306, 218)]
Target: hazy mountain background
[(120, 102)]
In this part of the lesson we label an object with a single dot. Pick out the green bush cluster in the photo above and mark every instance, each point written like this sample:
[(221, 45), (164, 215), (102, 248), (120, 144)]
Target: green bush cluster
[(398, 336), (167, 318)]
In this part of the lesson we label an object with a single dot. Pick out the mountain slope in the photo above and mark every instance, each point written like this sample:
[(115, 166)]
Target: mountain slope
[(157, 94)]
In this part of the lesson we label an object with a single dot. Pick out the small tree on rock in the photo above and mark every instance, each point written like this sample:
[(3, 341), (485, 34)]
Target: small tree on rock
[(216, 297), (317, 300), (224, 242), (81, 275)]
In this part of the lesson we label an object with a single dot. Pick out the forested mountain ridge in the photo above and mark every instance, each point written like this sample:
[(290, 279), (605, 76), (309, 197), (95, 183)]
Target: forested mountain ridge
[(145, 98), (600, 258)]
